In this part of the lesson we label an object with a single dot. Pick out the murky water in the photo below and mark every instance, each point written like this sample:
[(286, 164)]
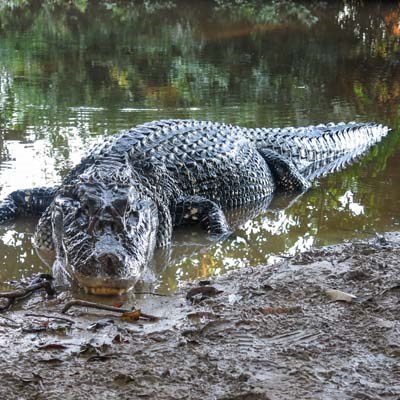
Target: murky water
[(73, 73)]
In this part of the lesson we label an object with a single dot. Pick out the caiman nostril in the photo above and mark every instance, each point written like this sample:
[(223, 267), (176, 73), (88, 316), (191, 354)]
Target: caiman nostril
[(109, 262)]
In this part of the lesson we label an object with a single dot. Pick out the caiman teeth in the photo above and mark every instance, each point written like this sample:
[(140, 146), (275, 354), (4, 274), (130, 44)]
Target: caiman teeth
[(105, 291)]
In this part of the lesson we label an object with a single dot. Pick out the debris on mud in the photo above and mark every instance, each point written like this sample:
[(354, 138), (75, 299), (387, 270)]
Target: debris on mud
[(197, 294), (263, 333), (338, 295), (39, 283), (126, 314)]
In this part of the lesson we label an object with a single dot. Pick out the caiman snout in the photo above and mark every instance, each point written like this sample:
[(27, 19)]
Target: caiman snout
[(110, 264), (107, 237), (105, 274)]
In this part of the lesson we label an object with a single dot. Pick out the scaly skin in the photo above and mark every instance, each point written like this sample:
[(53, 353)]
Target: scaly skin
[(102, 224)]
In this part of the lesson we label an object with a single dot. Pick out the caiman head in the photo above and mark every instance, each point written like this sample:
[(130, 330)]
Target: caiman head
[(104, 233)]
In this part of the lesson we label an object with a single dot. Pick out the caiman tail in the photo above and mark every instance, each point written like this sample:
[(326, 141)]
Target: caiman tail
[(322, 149)]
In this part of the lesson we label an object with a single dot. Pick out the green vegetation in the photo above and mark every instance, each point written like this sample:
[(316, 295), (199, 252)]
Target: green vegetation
[(114, 54), (273, 12), (244, 61)]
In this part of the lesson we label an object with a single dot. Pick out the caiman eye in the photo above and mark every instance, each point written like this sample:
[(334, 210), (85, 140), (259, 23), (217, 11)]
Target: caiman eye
[(120, 205), (133, 219), (92, 204)]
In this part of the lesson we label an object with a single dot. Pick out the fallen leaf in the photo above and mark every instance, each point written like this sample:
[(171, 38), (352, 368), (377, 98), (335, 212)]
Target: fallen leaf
[(395, 286), (33, 329), (101, 357), (131, 316), (50, 360), (88, 349), (338, 295), (101, 323), (202, 314), (52, 346), (200, 293), (123, 378), (118, 338), (267, 286), (34, 378)]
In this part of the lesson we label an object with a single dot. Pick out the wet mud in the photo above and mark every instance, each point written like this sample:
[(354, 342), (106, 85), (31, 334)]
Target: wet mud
[(322, 325)]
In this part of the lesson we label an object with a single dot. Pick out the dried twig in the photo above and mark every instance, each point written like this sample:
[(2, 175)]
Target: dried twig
[(10, 323), (152, 294), (120, 310), (8, 319), (89, 304), (50, 317)]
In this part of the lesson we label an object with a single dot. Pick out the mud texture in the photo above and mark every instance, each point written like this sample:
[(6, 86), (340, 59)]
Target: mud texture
[(266, 333)]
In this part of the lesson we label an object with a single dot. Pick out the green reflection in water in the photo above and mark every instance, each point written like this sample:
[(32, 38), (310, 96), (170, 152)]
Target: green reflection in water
[(73, 72)]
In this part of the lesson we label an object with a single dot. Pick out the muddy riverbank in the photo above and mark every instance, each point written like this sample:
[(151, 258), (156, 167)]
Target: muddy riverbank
[(273, 332)]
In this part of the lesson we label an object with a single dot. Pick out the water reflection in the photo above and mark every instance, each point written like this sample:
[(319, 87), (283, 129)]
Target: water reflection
[(18, 257), (74, 72)]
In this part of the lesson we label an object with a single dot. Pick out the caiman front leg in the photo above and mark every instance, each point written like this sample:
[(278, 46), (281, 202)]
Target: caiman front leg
[(287, 176), (197, 209), (164, 233), (43, 238), (26, 202)]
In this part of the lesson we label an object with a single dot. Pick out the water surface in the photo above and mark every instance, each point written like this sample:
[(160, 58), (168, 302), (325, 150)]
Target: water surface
[(71, 74)]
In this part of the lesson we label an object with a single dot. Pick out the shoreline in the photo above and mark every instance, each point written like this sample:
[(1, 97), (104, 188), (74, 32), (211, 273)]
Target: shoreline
[(271, 332)]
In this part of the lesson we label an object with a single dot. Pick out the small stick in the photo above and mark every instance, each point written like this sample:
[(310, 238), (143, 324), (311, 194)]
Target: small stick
[(50, 317), (10, 325), (89, 304), (152, 293), (8, 319), (9, 322)]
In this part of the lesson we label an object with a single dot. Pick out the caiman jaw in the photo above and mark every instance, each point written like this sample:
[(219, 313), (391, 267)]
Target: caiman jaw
[(103, 286), (105, 291)]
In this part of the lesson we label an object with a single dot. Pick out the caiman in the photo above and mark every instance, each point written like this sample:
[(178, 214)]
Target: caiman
[(102, 224)]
